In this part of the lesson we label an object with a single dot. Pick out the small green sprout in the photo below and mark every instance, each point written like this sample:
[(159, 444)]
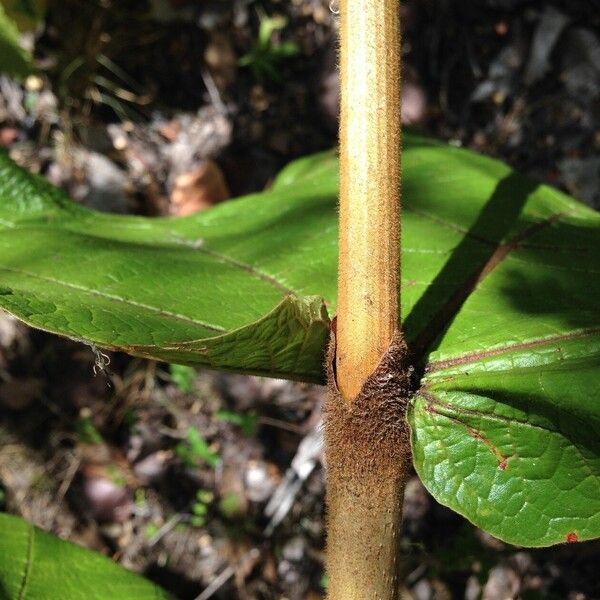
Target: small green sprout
[(183, 377), (265, 55), (200, 507), (86, 430), (116, 475), (194, 450), (229, 505), (150, 531), (247, 423), (140, 497)]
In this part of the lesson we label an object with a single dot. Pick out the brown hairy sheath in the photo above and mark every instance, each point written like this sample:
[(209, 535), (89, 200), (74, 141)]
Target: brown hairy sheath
[(367, 457)]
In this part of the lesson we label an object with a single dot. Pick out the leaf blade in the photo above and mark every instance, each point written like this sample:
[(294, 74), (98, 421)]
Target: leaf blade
[(513, 447), (37, 565)]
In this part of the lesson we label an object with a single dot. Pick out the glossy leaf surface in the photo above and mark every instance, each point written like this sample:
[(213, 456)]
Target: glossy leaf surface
[(35, 565), (226, 289), (500, 280), (505, 429)]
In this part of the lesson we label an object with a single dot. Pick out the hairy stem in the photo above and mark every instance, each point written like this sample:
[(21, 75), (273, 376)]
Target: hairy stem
[(364, 531), (367, 456), (366, 443), (369, 264)]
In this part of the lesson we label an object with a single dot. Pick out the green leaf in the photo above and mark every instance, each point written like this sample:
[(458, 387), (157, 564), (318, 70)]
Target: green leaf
[(195, 450), (268, 26), (265, 54), (87, 432), (15, 61), (500, 280), (215, 289), (505, 428), (37, 565), (183, 377), (248, 423), (230, 504)]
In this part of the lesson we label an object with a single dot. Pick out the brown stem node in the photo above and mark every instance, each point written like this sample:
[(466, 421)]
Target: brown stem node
[(368, 456)]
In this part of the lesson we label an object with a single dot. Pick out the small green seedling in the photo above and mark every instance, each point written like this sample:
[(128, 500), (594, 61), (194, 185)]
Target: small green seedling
[(200, 508), (229, 505), (183, 377), (86, 430), (194, 450), (247, 423), (140, 498), (266, 55), (150, 530)]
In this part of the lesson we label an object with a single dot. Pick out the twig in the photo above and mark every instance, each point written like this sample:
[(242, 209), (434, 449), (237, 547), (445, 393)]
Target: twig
[(225, 575), (168, 526), (213, 92)]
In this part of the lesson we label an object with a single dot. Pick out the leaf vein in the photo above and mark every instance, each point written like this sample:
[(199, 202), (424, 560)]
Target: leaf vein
[(28, 563), (115, 298), (483, 354)]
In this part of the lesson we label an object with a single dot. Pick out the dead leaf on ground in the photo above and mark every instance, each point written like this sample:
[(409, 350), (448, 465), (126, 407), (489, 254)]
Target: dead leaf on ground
[(198, 189)]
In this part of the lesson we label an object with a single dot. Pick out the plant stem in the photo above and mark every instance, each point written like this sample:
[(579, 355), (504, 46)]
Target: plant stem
[(367, 456), (369, 263), (366, 440)]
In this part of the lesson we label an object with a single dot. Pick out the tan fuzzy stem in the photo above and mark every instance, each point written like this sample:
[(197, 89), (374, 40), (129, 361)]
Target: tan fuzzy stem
[(367, 456), (369, 263)]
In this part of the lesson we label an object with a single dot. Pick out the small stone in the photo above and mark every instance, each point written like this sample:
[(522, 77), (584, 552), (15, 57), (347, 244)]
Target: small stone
[(259, 480), (472, 589), (416, 500), (295, 549), (422, 590), (108, 501), (106, 183), (33, 83), (7, 136), (152, 467), (503, 584)]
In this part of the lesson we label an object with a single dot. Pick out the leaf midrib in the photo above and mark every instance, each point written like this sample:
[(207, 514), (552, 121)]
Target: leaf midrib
[(440, 320), (474, 357), (433, 401), (28, 562)]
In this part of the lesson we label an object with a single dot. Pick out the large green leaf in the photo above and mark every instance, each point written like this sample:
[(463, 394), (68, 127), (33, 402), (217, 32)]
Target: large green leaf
[(505, 428), (35, 565), (500, 283), (228, 288)]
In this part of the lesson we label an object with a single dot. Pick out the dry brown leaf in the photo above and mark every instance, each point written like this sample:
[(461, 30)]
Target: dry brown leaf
[(198, 189)]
